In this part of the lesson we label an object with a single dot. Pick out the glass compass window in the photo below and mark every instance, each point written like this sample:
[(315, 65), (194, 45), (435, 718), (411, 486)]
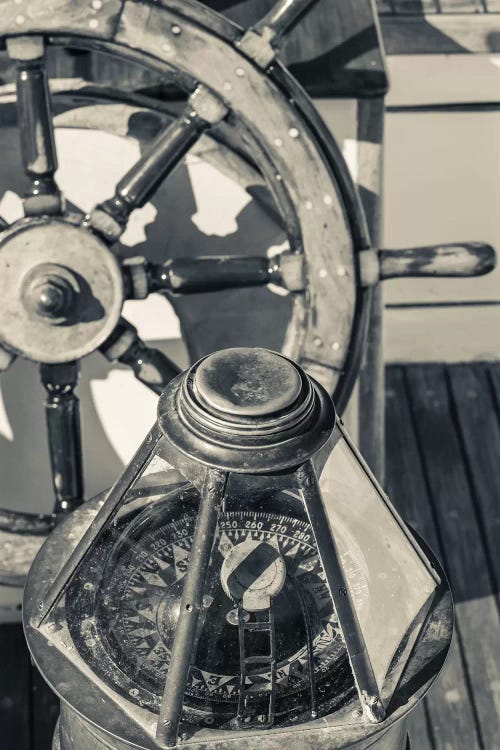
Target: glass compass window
[(266, 594), (269, 630), (397, 579)]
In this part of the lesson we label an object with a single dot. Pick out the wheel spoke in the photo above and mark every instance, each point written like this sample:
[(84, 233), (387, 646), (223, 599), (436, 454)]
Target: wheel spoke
[(283, 16), (62, 410), (35, 125), (261, 41), (202, 111), (150, 366), (33, 524), (213, 274)]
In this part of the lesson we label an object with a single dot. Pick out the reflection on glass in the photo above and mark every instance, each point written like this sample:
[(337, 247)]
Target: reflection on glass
[(390, 581)]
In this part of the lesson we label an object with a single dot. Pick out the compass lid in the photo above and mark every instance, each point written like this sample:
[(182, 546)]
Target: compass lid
[(248, 399), (245, 382)]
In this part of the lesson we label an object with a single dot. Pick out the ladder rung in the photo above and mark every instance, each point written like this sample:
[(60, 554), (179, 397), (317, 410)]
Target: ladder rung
[(257, 626), (259, 659)]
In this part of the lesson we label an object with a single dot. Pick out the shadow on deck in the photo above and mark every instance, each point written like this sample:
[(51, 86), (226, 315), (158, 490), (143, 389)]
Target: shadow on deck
[(443, 469)]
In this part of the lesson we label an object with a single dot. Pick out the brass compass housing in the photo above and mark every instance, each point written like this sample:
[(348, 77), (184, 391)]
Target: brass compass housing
[(245, 577)]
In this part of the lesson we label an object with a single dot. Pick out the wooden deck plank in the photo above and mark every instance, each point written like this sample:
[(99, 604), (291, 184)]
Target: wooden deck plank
[(494, 376), (476, 413), (477, 617), (15, 689), (450, 711)]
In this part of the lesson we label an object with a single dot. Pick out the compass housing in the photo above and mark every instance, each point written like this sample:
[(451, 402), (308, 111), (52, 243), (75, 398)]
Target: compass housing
[(246, 574)]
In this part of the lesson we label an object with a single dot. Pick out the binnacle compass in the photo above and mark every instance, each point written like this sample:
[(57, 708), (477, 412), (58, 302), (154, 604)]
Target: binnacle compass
[(262, 561), (245, 580)]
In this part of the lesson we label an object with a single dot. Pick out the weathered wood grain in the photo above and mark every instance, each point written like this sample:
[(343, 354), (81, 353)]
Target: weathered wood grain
[(477, 616), (450, 713), (477, 417), (78, 16), (494, 376), (467, 259)]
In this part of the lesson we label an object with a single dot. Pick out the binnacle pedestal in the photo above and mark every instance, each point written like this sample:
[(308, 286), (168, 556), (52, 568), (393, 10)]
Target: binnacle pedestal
[(245, 582)]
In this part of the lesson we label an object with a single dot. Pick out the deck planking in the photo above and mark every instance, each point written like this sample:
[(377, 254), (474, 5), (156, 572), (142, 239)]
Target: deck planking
[(443, 471), (448, 718)]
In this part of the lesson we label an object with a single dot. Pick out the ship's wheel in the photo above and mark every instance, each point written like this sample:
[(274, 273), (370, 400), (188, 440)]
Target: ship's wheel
[(63, 277), (63, 283)]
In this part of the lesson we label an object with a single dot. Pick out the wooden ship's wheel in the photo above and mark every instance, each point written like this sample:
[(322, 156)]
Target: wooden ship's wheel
[(63, 279)]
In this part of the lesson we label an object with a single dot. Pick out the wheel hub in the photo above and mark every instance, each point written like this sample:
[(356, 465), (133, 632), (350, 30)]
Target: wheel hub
[(62, 290)]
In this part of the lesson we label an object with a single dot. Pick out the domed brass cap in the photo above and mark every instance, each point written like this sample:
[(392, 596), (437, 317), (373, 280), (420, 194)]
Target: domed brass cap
[(247, 382), (246, 410)]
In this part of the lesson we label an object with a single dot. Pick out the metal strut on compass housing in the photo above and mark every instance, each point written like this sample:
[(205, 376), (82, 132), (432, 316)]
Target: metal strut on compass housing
[(63, 294), (239, 577)]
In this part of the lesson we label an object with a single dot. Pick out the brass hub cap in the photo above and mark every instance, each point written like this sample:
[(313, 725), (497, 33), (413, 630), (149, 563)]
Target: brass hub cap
[(61, 290)]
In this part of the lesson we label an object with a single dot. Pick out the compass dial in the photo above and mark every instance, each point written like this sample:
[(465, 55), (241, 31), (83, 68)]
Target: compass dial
[(123, 606)]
